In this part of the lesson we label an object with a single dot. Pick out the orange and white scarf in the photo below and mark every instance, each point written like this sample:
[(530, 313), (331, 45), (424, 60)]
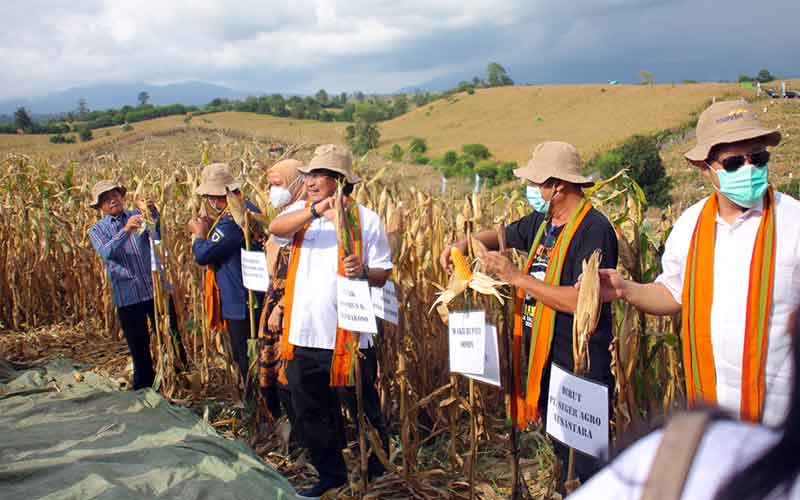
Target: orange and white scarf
[(698, 292)]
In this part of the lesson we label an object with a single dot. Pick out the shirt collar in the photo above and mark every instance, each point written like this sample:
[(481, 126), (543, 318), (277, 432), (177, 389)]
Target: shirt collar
[(122, 217), (754, 211)]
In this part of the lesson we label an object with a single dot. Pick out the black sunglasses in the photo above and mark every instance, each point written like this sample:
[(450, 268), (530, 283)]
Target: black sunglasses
[(733, 163)]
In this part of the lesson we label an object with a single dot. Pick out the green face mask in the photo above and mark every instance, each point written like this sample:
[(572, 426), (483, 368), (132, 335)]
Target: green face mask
[(744, 186)]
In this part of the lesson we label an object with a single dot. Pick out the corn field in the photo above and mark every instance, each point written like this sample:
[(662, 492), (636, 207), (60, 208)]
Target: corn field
[(450, 438)]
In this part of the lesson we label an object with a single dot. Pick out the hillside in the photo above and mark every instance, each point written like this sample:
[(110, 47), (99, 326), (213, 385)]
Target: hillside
[(508, 120), (511, 120)]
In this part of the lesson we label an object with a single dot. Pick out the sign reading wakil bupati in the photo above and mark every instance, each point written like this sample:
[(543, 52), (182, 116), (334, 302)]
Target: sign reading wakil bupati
[(467, 332), (384, 303), (577, 412), (255, 275), (354, 306)]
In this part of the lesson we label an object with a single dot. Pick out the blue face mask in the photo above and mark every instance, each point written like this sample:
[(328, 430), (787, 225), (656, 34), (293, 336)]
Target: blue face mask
[(744, 186), (534, 196)]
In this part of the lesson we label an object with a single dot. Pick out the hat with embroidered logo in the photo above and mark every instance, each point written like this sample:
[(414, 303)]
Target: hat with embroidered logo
[(726, 122), (334, 158), (554, 159), (214, 180), (102, 187)]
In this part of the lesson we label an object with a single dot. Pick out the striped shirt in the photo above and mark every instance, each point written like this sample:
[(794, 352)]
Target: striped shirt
[(127, 258)]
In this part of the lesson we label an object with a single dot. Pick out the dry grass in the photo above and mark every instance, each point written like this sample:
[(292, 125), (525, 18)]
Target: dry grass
[(590, 116)]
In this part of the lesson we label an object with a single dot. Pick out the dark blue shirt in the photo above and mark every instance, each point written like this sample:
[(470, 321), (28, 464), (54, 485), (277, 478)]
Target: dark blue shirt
[(223, 250)]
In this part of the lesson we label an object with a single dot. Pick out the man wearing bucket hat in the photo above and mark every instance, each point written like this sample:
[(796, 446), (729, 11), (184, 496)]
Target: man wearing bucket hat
[(731, 267), (217, 243), (560, 233), (126, 253), (321, 355)]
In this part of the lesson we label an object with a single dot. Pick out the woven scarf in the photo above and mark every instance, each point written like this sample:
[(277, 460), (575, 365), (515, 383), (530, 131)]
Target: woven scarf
[(698, 292), (526, 409), (344, 353), (214, 320)]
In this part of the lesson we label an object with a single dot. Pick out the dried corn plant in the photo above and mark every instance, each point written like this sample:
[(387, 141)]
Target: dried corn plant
[(50, 275)]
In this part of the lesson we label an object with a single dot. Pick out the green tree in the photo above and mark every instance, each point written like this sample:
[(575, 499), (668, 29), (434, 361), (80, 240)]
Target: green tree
[(764, 76), (85, 133), (476, 151), (322, 96), (399, 105), (450, 158), (640, 155), (497, 76), (22, 120), (362, 136), (397, 153), (143, 97), (646, 77), (745, 78)]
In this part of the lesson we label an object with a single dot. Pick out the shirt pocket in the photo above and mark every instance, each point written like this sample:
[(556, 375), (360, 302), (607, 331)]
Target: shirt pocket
[(118, 272)]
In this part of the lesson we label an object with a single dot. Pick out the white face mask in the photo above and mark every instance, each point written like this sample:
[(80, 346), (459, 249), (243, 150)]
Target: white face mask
[(279, 196)]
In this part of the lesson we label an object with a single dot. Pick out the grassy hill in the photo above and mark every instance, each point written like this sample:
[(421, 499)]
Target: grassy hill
[(511, 120)]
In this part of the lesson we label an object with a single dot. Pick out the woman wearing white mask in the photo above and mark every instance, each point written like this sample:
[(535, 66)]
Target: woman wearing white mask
[(286, 187), (562, 231)]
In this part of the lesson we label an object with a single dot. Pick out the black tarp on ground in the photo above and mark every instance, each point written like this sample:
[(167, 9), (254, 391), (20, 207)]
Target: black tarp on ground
[(61, 438)]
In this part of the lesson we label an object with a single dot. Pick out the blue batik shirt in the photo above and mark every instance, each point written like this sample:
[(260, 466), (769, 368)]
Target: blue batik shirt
[(126, 256)]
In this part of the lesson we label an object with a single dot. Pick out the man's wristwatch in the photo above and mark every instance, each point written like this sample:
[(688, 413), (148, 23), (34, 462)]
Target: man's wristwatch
[(314, 212)]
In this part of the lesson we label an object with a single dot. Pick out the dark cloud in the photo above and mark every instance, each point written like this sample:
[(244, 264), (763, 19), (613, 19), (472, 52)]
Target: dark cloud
[(381, 46)]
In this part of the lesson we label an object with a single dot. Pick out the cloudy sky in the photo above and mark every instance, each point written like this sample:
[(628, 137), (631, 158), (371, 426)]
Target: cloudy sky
[(381, 45)]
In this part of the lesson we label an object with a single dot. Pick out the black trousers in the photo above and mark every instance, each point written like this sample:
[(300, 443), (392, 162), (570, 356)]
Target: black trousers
[(318, 410), (239, 331), (133, 319)]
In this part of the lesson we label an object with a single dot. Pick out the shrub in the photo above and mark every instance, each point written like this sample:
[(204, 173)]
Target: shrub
[(85, 133), (640, 155), (476, 151), (397, 153), (417, 145)]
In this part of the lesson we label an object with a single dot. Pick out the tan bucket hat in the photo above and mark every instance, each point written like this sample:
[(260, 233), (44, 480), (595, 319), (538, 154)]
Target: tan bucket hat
[(104, 186), (556, 159), (726, 122), (334, 158), (215, 178)]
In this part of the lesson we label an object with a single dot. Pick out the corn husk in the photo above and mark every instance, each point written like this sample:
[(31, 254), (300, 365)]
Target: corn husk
[(587, 312)]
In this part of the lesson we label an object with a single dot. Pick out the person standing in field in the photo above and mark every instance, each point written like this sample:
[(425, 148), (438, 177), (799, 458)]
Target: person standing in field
[(560, 233), (125, 250), (321, 355), (731, 267), (287, 186), (218, 244)]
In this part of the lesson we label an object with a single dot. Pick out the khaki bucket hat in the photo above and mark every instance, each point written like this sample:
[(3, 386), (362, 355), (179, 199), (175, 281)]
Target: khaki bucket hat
[(559, 160), (726, 122), (334, 158), (102, 187), (214, 180)]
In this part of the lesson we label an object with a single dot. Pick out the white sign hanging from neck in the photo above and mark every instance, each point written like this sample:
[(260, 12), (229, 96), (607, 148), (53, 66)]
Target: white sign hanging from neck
[(354, 306)]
